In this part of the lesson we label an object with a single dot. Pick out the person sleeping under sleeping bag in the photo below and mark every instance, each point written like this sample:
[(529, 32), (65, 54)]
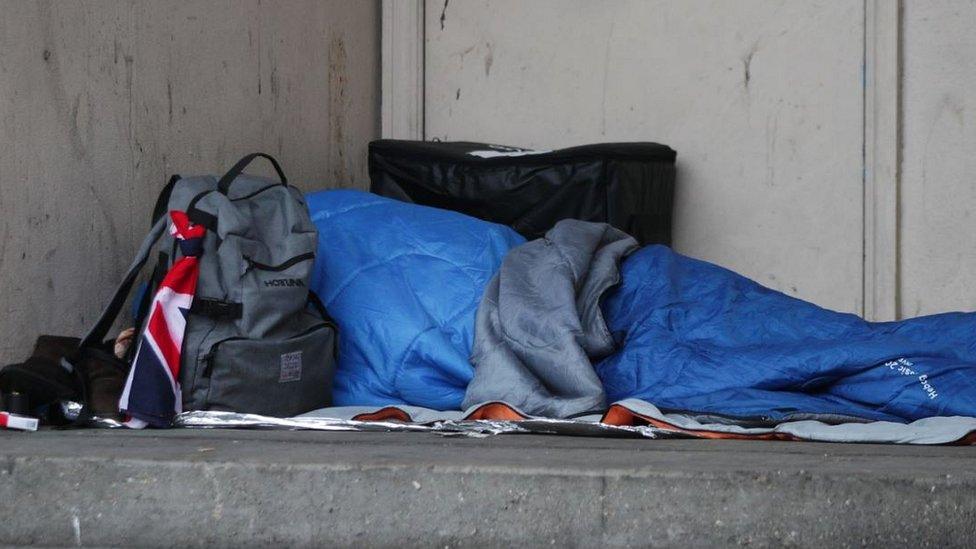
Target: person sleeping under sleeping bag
[(404, 283)]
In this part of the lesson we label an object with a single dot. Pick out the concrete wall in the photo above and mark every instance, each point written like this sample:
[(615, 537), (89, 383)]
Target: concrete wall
[(937, 222), (762, 99), (100, 101)]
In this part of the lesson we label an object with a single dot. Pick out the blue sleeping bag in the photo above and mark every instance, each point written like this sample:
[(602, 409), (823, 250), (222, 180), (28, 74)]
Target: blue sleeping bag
[(693, 336), (403, 283)]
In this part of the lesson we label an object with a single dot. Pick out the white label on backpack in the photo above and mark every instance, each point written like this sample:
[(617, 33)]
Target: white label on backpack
[(291, 367)]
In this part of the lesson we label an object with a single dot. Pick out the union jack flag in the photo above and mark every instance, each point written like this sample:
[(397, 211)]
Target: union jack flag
[(152, 396)]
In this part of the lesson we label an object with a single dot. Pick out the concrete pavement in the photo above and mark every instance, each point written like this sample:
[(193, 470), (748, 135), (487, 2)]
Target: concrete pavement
[(241, 488)]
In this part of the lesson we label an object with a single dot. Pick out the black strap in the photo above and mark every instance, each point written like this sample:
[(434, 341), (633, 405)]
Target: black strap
[(159, 210), (215, 308), (98, 332), (198, 216), (316, 303), (225, 182), (162, 264), (155, 279)]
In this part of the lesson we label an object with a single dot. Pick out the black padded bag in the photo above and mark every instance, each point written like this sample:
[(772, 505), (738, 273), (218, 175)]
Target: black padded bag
[(628, 185)]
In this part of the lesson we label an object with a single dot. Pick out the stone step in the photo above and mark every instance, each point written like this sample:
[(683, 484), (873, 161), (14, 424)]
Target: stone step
[(284, 488)]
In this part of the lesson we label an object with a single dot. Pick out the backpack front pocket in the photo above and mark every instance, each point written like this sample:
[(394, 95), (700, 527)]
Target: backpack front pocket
[(273, 293), (280, 378)]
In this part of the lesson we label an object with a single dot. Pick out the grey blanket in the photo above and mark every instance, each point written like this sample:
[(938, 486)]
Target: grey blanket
[(539, 323)]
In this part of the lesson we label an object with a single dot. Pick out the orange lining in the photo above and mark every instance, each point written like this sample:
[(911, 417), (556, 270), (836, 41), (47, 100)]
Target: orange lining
[(496, 411), (389, 413), (617, 415), (491, 411), (621, 416)]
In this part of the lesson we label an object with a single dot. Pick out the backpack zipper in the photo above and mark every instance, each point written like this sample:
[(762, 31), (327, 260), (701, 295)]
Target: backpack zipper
[(251, 264), (255, 193)]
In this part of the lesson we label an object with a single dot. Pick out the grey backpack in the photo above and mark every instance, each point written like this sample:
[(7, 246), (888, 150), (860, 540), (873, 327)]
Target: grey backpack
[(257, 340)]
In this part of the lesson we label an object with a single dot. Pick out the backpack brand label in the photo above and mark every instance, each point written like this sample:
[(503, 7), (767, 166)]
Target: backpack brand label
[(291, 367), (285, 283)]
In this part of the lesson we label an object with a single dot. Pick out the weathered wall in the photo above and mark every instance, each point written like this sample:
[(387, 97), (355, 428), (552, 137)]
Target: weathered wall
[(762, 99), (937, 222), (101, 100)]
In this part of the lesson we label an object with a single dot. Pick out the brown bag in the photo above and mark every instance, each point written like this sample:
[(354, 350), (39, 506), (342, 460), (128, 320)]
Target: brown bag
[(45, 379)]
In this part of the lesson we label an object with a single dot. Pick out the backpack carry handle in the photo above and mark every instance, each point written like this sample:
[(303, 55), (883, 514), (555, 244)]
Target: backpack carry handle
[(225, 182)]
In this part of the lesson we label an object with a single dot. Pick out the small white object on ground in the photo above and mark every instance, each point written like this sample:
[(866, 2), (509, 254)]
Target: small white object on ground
[(14, 421)]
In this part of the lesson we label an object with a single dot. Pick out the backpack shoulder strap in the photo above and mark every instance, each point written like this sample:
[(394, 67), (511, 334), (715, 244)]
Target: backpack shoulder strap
[(72, 362), (159, 210), (111, 312)]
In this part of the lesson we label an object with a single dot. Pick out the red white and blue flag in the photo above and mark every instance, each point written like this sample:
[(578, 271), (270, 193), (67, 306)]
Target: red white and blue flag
[(151, 396)]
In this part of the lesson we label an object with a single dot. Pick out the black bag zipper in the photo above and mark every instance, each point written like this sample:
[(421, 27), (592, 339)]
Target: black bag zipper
[(251, 264), (257, 192)]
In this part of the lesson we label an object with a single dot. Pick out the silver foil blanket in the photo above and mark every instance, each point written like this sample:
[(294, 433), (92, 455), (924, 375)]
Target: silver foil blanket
[(450, 427), (446, 427)]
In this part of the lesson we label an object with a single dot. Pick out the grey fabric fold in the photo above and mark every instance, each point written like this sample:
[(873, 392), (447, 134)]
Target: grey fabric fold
[(539, 323)]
